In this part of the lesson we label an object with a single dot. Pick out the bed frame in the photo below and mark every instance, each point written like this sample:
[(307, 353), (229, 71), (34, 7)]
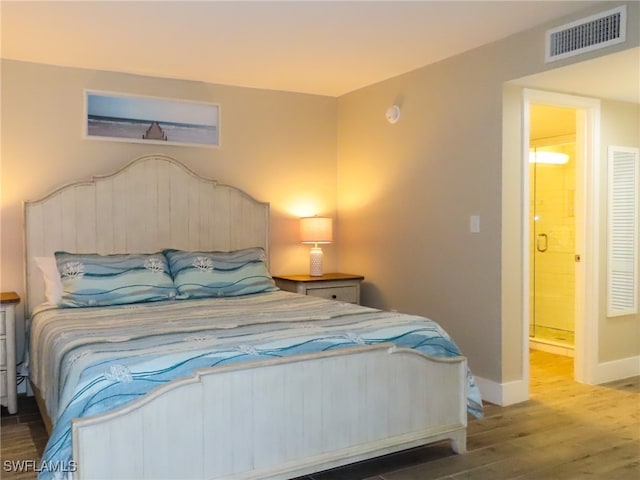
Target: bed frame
[(273, 419)]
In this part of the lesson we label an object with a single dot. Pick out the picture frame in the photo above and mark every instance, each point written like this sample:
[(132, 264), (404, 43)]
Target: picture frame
[(142, 119)]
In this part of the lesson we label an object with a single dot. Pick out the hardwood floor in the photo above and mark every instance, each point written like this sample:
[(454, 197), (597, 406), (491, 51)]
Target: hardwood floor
[(566, 431), (22, 437)]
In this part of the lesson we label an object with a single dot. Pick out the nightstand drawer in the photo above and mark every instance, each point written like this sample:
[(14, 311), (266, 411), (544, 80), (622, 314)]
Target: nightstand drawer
[(3, 353), (3, 383), (348, 294), (8, 394), (342, 287)]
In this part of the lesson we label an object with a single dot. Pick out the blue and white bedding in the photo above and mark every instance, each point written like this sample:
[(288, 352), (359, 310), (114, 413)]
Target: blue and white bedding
[(86, 361)]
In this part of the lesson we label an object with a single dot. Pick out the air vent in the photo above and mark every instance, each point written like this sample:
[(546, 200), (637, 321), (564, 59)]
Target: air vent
[(591, 33)]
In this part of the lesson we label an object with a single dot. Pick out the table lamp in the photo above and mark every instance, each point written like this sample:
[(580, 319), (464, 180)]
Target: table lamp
[(316, 230)]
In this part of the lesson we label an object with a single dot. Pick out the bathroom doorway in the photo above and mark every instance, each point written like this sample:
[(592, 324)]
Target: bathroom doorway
[(586, 205), (552, 227)]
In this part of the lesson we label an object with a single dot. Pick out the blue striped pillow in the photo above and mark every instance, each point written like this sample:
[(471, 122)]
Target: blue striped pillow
[(219, 274), (92, 280)]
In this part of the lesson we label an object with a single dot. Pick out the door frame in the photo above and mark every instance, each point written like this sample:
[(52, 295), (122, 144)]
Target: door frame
[(587, 200)]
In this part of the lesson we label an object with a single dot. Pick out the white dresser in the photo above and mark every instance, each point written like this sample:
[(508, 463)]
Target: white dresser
[(8, 395)]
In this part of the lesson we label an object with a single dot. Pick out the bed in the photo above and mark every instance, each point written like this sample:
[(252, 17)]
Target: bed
[(250, 384)]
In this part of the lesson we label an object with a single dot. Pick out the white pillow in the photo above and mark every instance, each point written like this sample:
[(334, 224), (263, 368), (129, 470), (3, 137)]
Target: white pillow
[(51, 277)]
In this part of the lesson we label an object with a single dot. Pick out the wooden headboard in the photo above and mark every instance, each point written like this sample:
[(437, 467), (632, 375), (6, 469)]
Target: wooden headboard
[(153, 203)]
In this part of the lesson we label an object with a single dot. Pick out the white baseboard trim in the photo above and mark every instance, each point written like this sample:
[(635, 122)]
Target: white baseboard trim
[(517, 391), (503, 394), (552, 348), (617, 370)]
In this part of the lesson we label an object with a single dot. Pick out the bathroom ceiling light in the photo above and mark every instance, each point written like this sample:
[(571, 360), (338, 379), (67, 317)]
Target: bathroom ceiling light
[(552, 158)]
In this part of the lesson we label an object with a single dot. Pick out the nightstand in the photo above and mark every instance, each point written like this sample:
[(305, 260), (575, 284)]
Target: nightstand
[(342, 287), (8, 396)]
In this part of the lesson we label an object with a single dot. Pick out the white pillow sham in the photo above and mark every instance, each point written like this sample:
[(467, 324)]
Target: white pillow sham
[(51, 277)]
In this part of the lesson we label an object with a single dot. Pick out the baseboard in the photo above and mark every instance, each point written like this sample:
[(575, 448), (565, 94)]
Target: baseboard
[(617, 370), (503, 394), (508, 393), (556, 349)]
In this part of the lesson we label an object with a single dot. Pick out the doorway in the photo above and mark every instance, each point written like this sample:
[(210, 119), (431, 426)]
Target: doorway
[(552, 226), (582, 205)]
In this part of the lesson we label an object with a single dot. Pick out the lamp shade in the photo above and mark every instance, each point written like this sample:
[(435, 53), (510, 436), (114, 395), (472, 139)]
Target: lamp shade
[(316, 230)]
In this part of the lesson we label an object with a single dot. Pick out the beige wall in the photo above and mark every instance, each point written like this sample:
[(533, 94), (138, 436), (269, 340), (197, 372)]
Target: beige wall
[(619, 337), (406, 192), (279, 147)]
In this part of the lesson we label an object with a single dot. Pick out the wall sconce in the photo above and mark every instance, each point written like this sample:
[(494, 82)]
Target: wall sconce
[(393, 114), (316, 230)]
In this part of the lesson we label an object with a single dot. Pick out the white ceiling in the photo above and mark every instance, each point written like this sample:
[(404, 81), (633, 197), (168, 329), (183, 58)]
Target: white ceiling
[(318, 47)]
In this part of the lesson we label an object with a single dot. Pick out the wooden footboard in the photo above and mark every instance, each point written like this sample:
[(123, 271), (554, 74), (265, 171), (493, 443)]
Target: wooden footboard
[(279, 418)]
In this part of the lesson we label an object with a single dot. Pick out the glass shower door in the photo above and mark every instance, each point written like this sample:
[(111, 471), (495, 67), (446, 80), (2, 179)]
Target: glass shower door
[(552, 227)]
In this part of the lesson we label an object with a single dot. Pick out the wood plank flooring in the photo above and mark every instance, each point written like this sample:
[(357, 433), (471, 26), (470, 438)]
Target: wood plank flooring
[(566, 431)]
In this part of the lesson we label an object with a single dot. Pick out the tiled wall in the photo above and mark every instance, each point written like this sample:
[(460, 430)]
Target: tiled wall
[(553, 274)]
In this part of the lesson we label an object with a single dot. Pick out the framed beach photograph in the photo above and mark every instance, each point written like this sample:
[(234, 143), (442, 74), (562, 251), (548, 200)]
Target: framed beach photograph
[(129, 118)]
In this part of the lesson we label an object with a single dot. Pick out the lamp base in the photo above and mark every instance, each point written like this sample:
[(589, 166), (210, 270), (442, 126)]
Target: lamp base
[(315, 262)]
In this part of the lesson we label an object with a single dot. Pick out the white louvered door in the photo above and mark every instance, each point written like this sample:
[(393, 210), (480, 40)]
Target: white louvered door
[(622, 222)]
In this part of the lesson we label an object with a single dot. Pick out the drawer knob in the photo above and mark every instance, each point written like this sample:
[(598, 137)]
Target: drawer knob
[(334, 296)]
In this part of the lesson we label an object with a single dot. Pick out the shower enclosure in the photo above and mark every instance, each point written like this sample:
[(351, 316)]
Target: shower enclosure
[(552, 256)]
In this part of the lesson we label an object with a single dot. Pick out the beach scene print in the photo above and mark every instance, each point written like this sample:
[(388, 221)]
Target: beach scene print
[(151, 119)]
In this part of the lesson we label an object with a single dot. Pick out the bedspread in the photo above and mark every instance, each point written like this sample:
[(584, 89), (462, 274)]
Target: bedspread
[(87, 361)]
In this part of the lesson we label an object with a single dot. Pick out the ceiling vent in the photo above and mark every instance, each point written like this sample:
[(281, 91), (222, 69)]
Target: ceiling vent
[(587, 34)]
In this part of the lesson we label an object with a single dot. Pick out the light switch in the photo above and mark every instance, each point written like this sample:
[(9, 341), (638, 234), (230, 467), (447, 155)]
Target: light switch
[(474, 224)]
